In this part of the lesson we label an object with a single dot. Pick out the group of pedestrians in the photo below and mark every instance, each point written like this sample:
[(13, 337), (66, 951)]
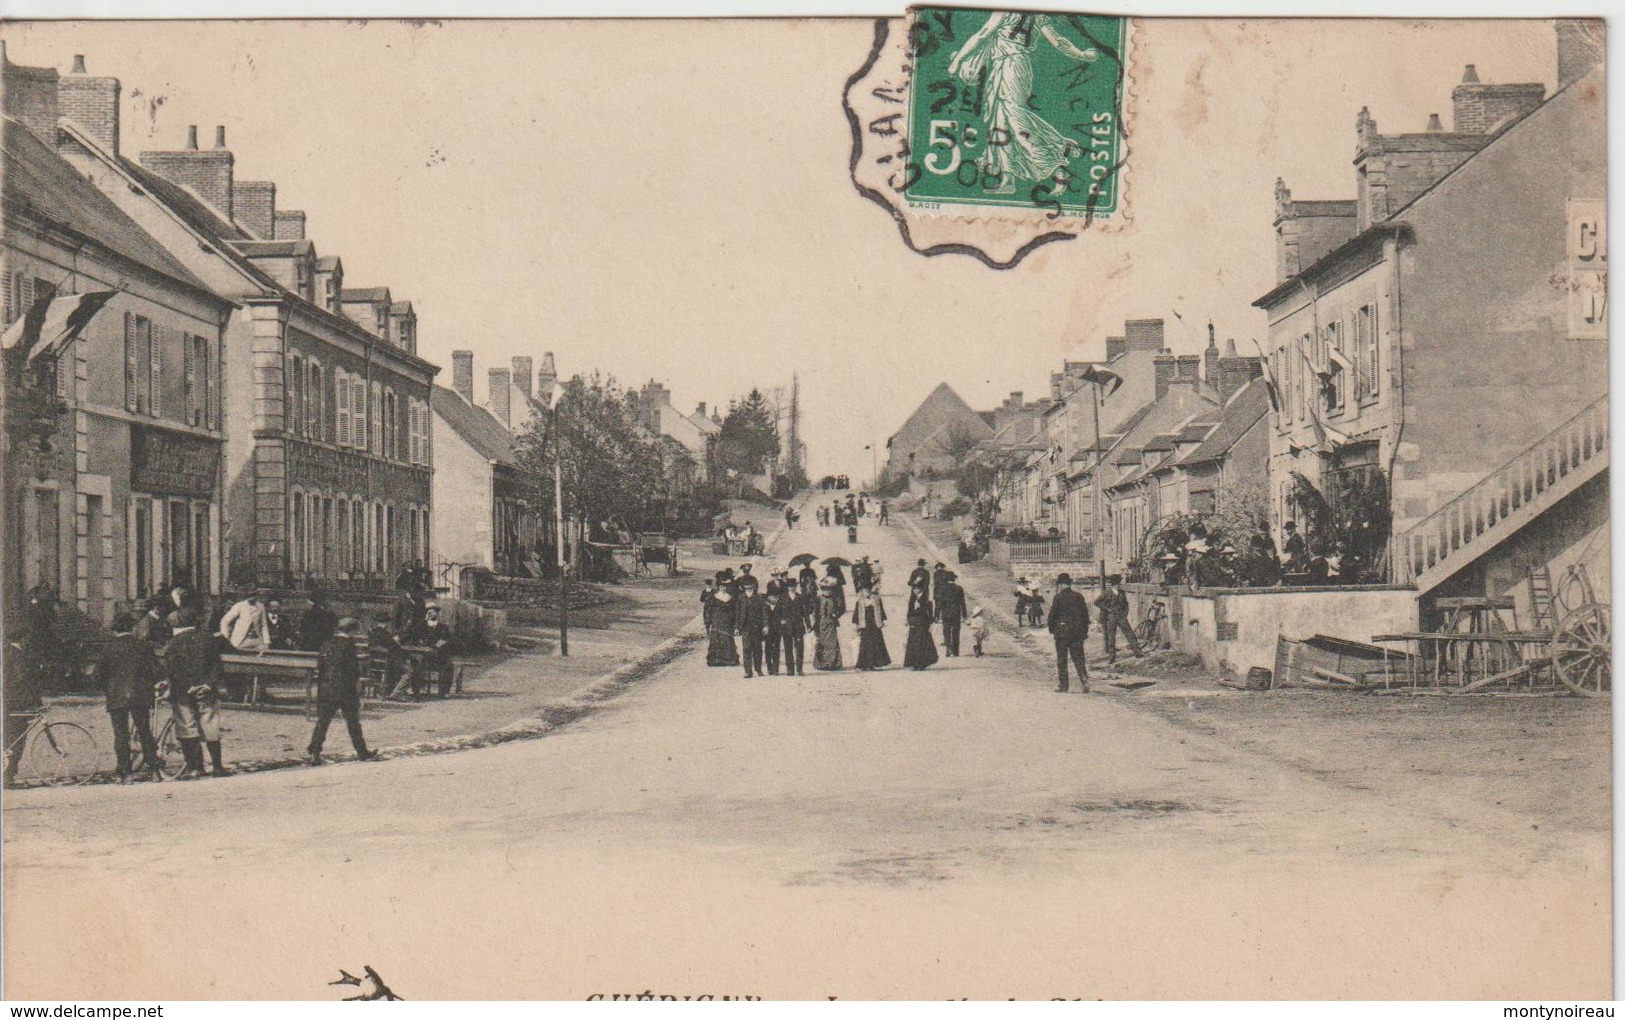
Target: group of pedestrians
[(763, 626)]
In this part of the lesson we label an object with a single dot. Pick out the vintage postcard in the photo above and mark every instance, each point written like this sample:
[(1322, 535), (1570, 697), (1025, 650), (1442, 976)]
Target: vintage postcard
[(974, 503)]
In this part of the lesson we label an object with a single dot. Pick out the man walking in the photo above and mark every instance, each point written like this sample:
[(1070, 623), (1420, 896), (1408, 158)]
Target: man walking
[(773, 628), (1069, 626), (1113, 606), (192, 671), (951, 611), (127, 670), (317, 624), (752, 627), (338, 690), (792, 631)]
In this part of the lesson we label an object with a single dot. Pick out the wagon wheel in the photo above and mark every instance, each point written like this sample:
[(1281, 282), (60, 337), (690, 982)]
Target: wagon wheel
[(1582, 651)]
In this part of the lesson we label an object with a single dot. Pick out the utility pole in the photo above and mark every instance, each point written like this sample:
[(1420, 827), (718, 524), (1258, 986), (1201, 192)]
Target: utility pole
[(552, 398), (795, 425)]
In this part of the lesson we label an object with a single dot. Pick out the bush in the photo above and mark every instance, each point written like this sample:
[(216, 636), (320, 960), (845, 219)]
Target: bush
[(956, 507)]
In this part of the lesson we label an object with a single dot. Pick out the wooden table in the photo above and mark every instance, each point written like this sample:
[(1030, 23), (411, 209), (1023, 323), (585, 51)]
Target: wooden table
[(1498, 655)]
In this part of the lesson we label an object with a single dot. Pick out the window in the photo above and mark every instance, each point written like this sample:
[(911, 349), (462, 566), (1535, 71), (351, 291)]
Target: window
[(391, 421), (295, 416), (1336, 387)]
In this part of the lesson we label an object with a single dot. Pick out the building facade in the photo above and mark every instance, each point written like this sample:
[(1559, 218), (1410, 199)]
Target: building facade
[(1406, 346), (329, 447), (125, 497)]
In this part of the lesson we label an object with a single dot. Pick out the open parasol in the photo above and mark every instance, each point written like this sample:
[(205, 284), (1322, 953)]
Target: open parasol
[(839, 561), (802, 559)]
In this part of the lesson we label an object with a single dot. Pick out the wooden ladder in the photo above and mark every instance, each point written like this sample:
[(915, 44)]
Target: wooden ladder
[(1540, 597)]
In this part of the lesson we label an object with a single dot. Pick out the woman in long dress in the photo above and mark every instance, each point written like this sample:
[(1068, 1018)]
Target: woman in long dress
[(827, 653), (869, 615), (921, 650), (1022, 145), (720, 627)]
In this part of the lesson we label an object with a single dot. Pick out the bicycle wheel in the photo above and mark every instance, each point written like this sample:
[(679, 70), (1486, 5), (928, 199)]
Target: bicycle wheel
[(170, 759), (61, 754)]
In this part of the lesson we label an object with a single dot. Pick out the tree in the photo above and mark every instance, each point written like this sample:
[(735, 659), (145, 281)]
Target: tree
[(749, 440), (611, 468)]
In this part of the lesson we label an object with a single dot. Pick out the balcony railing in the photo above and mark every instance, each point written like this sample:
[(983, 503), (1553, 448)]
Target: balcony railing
[(1479, 516)]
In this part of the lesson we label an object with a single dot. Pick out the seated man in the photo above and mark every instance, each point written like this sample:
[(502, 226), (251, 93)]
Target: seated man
[(436, 634)]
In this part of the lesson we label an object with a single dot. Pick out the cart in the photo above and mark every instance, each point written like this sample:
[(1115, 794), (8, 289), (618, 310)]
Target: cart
[(656, 548)]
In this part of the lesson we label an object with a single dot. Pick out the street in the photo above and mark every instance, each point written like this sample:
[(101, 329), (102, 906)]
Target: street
[(962, 831)]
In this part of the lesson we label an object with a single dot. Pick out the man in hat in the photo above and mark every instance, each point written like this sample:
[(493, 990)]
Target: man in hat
[(791, 624), (153, 627), (951, 611), (1113, 606), (752, 626), (1294, 550), (918, 574), (127, 670), (193, 677), (436, 636), (317, 624), (1069, 626), (244, 624), (338, 690), (936, 578)]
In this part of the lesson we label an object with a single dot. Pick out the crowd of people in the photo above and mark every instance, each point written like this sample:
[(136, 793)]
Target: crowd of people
[(1199, 560), (848, 512), (171, 654), (763, 626)]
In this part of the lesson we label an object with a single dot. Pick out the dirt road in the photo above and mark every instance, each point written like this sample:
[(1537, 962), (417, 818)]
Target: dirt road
[(962, 831)]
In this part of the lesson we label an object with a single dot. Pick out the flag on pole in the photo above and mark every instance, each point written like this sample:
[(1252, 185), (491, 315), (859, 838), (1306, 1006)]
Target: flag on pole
[(1269, 379), (1325, 435), (1339, 359), (1108, 381), (51, 322)]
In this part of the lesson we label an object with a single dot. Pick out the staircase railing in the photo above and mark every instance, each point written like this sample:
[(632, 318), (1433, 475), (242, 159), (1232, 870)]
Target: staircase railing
[(1482, 510)]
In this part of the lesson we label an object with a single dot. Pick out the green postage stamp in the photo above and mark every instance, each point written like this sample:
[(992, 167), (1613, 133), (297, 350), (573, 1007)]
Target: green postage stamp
[(1016, 110)]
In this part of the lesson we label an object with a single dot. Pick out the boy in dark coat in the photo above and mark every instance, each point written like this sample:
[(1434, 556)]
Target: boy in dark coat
[(338, 690), (128, 670)]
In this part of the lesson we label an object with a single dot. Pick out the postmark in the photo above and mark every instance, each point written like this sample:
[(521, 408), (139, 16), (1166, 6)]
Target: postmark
[(992, 132)]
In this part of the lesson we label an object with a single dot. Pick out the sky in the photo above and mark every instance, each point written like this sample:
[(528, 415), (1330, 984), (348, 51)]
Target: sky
[(669, 200)]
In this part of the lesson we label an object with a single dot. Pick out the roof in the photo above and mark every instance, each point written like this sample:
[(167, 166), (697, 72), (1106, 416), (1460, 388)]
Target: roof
[(357, 295), (401, 308), (706, 425), (261, 249), (327, 263), (42, 185), (1241, 412), (1160, 443), (942, 400), (476, 426)]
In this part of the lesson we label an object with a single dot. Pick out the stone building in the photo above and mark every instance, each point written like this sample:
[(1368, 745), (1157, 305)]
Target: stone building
[(128, 497), (329, 448), (1411, 328), (927, 442)]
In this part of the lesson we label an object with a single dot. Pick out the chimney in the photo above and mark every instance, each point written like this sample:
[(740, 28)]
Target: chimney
[(547, 375), (462, 374), (207, 173), (700, 410), (1143, 334), (1210, 359), (220, 136), (1579, 49), (288, 225), (497, 399), (1164, 367), (1479, 108), (1236, 371), (1189, 367), (30, 95), (1116, 347), (91, 103), (523, 377), (255, 204), (1435, 125), (1306, 231)]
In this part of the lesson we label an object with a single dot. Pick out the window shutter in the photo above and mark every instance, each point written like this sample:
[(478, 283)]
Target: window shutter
[(131, 367), (190, 370), (213, 382), (375, 419), (341, 387), (331, 397), (25, 294), (11, 304), (155, 370), (1373, 370), (358, 414)]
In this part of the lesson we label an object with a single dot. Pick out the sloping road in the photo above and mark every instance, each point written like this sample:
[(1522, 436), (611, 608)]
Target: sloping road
[(962, 831)]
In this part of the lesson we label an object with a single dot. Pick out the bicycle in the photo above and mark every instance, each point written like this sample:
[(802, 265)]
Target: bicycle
[(1146, 632), (56, 753), (170, 759)]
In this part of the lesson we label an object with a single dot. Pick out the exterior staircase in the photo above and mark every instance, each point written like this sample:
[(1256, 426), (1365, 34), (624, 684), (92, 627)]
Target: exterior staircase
[(1507, 500)]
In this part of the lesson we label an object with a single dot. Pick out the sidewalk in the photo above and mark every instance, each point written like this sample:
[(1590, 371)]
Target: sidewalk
[(515, 695)]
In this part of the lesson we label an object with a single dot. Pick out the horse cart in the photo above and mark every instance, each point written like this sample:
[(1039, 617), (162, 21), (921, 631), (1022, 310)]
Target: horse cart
[(656, 549)]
